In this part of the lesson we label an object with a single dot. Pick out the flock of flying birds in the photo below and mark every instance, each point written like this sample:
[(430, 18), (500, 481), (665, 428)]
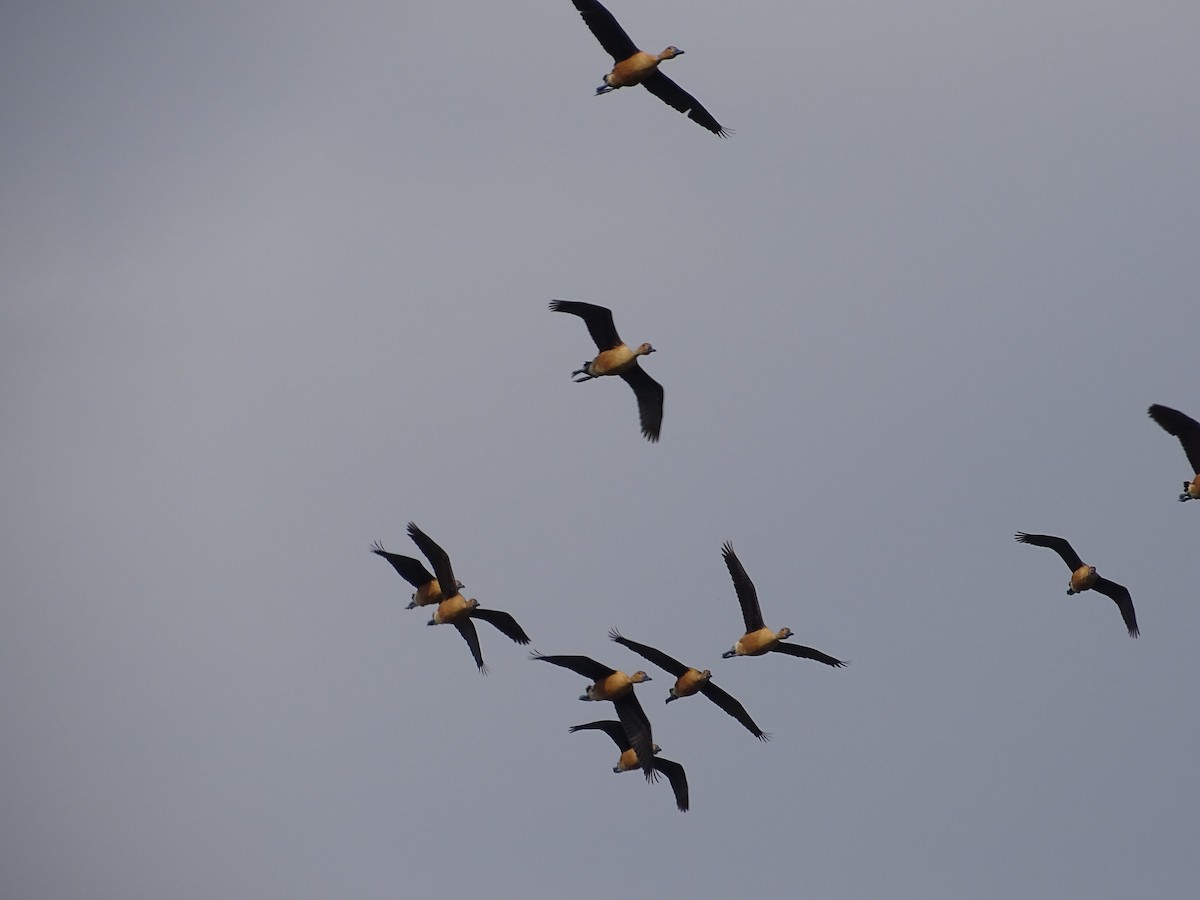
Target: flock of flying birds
[(631, 731)]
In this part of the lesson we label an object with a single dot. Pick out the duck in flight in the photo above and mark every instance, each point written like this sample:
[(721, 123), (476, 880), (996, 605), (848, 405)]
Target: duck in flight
[(634, 66), (629, 759), (458, 611), (428, 591), (615, 685), (760, 639), (689, 681), (1084, 577), (617, 358), (1187, 430)]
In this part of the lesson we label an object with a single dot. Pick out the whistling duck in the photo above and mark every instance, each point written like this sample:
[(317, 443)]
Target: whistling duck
[(617, 358), (1084, 577), (636, 67), (690, 681), (629, 759), (612, 684), (458, 611), (414, 572), (1187, 430), (760, 639)]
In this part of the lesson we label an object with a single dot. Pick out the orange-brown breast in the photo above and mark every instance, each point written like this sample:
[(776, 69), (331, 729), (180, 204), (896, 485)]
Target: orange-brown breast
[(1083, 578), (757, 642), (615, 685), (633, 70), (451, 610), (628, 761), (689, 682), (428, 593), (1193, 489), (614, 361)]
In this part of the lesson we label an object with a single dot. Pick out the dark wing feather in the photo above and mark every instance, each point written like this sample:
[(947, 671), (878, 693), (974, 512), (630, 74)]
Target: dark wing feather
[(650, 400), (660, 659), (1120, 595), (583, 665), (735, 709), (609, 727), (1183, 427), (747, 596), (503, 621), (1057, 544), (673, 95), (411, 570), (807, 653), (437, 557), (677, 777), (598, 319), (637, 729), (467, 629), (612, 36)]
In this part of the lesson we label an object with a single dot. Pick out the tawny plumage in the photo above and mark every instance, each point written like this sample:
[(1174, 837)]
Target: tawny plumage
[(689, 681), (617, 358), (413, 571), (1084, 577), (629, 759), (633, 66), (759, 639), (456, 609), (1187, 430), (614, 685)]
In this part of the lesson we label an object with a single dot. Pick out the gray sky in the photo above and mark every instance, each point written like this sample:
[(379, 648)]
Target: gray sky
[(274, 283)]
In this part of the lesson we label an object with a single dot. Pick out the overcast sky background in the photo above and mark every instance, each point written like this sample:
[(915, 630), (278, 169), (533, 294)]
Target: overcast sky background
[(274, 283)]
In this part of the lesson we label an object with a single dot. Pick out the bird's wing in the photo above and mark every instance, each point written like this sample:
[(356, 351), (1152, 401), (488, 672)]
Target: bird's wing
[(677, 777), (583, 665), (608, 32), (734, 708), (1183, 427), (637, 729), (807, 653), (1120, 595), (438, 558), (649, 399), (660, 659), (411, 570), (503, 621), (1057, 544), (598, 319), (673, 95), (467, 629), (747, 596), (609, 727)]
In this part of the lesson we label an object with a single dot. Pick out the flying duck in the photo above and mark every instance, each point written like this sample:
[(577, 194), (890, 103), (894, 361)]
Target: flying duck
[(1187, 430), (414, 572), (633, 66), (458, 611), (629, 759), (614, 685), (617, 358), (690, 681), (1084, 577), (760, 639)]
